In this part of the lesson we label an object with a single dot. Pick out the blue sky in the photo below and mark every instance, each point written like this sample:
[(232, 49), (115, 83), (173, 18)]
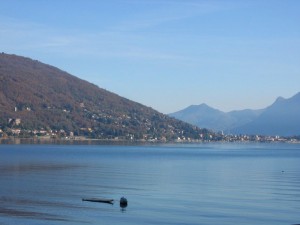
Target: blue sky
[(166, 54)]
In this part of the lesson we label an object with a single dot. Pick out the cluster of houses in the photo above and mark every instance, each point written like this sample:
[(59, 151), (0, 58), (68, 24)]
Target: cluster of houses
[(14, 130), (42, 133), (259, 138), (18, 132)]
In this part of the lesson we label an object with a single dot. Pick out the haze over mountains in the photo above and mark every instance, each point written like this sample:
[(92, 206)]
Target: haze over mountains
[(35, 96), (281, 118), (206, 116)]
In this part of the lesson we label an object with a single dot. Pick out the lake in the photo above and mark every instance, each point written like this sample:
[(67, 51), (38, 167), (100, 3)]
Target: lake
[(164, 184)]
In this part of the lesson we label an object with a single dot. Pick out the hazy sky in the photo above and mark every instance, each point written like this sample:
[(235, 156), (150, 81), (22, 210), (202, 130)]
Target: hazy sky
[(167, 54)]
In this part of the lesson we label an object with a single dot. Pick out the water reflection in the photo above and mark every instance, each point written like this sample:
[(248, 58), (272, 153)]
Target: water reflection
[(30, 214), (190, 186), (24, 168), (123, 210)]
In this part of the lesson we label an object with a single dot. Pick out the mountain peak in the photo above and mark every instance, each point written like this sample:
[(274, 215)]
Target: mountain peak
[(284, 102), (280, 118), (204, 105), (279, 99)]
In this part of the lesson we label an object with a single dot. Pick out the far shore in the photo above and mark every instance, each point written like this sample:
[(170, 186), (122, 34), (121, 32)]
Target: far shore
[(81, 141), (87, 141)]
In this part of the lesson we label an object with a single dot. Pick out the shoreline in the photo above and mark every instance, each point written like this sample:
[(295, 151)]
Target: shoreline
[(87, 141)]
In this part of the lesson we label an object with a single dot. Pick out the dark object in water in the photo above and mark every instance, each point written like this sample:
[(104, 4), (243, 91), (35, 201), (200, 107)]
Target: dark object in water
[(123, 202), (102, 200)]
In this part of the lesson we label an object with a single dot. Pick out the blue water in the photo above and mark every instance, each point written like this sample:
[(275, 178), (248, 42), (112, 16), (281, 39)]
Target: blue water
[(167, 184)]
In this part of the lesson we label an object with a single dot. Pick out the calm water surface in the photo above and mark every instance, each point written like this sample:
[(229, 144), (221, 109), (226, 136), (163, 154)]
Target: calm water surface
[(175, 184)]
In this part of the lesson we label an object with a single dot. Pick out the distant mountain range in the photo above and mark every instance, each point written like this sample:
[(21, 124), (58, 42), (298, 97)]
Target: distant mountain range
[(281, 118), (39, 98)]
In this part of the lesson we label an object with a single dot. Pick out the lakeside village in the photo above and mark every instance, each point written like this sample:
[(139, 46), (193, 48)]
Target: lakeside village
[(43, 134)]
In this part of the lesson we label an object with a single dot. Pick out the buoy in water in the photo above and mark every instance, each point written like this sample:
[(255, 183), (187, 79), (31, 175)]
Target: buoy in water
[(123, 202)]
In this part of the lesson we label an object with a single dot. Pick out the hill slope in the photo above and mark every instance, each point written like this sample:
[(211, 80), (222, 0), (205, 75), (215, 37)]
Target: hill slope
[(281, 118), (34, 95)]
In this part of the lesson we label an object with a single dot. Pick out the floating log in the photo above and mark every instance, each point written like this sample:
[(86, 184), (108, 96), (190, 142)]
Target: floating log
[(102, 200)]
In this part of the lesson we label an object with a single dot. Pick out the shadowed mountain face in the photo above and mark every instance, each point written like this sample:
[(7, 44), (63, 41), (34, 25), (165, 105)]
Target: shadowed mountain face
[(206, 116), (40, 96), (281, 118), (201, 115)]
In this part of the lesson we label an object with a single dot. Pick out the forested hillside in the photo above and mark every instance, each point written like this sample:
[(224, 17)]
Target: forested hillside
[(39, 98)]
